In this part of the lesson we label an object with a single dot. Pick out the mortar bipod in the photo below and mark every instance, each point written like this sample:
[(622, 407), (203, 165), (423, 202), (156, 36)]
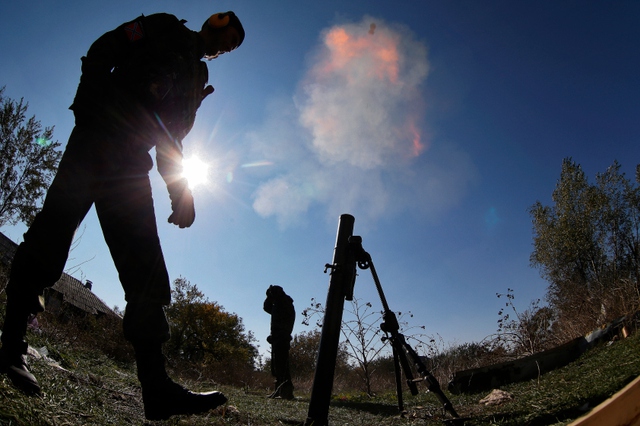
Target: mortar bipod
[(397, 340)]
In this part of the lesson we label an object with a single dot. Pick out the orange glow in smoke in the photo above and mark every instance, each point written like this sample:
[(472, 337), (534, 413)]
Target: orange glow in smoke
[(364, 60), (379, 50), (418, 146)]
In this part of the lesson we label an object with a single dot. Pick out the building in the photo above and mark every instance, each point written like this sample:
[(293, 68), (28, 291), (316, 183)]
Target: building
[(68, 293)]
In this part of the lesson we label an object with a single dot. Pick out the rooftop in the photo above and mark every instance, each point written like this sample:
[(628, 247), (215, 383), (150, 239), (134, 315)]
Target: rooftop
[(72, 289)]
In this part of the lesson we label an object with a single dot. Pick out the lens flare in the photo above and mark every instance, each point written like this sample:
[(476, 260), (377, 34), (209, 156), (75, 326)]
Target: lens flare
[(195, 171), (44, 142), (257, 164)]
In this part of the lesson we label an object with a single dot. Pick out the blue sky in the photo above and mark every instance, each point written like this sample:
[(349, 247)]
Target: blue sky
[(436, 124)]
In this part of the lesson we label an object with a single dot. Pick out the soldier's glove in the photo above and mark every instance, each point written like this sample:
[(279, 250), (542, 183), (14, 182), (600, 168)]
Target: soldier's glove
[(207, 91), (184, 212)]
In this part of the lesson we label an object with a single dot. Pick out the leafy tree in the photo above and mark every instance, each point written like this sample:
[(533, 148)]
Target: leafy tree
[(303, 353), (28, 160), (203, 334), (466, 356), (587, 246)]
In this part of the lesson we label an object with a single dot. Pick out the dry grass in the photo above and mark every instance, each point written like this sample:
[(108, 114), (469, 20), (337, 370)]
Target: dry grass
[(92, 389)]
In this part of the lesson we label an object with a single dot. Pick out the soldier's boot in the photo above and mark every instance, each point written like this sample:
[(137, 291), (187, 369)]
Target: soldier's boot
[(276, 392), (13, 352), (286, 390), (162, 397)]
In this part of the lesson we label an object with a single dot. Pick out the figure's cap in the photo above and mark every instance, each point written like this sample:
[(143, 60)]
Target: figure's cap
[(224, 19), (275, 289)]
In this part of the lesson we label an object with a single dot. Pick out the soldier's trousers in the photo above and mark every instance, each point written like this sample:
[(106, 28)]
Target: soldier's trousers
[(113, 175), (280, 346)]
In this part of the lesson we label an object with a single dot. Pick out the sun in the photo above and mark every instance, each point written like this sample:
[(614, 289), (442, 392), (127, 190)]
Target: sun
[(195, 171)]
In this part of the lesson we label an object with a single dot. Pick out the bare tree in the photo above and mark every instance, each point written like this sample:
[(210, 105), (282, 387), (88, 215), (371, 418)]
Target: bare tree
[(363, 337), (524, 333)]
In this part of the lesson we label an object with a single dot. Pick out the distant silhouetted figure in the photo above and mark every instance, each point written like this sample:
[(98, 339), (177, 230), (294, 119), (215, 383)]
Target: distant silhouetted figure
[(140, 88), (283, 315)]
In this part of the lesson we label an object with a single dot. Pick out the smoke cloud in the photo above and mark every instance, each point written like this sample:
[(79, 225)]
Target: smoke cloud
[(353, 139)]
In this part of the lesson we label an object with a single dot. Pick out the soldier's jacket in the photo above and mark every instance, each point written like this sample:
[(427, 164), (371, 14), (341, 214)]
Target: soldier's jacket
[(145, 78), (283, 314)]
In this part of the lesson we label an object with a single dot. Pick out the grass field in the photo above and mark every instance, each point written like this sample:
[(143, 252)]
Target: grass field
[(90, 389)]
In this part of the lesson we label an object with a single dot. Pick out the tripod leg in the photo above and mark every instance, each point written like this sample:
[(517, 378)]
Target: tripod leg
[(396, 366), (399, 343), (432, 382)]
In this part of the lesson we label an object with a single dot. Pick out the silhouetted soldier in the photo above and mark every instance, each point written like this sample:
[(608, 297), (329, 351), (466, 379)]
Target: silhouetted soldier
[(283, 315), (140, 88)]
